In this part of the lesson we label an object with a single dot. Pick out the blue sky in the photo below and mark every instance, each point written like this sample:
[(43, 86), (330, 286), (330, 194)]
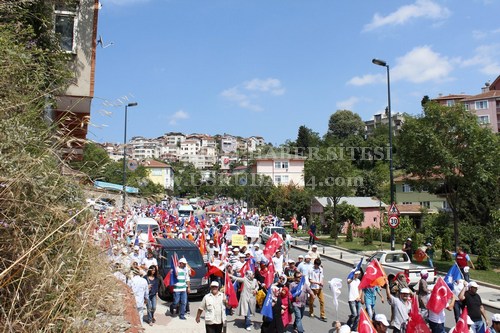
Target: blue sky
[(265, 67)]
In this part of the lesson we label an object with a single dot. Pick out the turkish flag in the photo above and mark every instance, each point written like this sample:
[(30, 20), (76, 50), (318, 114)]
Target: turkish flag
[(272, 245), (440, 295), (230, 293), (269, 278), (365, 324), (214, 270), (312, 235), (374, 275), (416, 323), (461, 326), (242, 230)]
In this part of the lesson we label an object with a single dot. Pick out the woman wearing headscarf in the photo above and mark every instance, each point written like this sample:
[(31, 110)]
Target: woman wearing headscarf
[(274, 325), (246, 305), (286, 300)]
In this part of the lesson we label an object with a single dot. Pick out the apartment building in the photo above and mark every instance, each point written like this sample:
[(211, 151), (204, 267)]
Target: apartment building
[(284, 169), (382, 119), (142, 148), (160, 173), (229, 144), (76, 26), (486, 105), (173, 138)]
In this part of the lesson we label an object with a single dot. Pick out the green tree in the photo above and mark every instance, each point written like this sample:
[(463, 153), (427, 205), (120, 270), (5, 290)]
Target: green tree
[(349, 237), (345, 123), (349, 213), (454, 156), (367, 236), (306, 138), (94, 162)]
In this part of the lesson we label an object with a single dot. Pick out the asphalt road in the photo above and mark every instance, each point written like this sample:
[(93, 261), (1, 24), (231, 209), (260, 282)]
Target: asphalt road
[(235, 323)]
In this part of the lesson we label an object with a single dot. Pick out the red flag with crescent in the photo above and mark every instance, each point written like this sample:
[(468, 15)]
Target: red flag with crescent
[(416, 324), (365, 324), (269, 278), (151, 238), (229, 291), (440, 296), (374, 275), (272, 245), (461, 326)]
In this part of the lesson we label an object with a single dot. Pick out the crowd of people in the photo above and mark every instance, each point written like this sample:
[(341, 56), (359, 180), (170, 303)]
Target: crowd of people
[(245, 280)]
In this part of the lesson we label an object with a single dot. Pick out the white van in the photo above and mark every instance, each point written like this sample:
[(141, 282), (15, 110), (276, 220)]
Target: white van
[(142, 226), (185, 211)]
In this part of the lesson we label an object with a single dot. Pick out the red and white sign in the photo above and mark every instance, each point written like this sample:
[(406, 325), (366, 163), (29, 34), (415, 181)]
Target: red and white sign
[(393, 221), (393, 211)]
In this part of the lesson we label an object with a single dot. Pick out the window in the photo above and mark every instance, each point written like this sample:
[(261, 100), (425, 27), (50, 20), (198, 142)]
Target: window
[(156, 172), (450, 103), (407, 202), (281, 179), (407, 188), (281, 165), (445, 205), (65, 22), (466, 105), (480, 105), (426, 204), (483, 119)]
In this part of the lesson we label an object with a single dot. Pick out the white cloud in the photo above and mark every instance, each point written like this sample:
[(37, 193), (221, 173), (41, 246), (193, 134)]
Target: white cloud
[(419, 65), (480, 34), (422, 64), (348, 104), (420, 9), (273, 86), (247, 93), (486, 57), (179, 115), (366, 79)]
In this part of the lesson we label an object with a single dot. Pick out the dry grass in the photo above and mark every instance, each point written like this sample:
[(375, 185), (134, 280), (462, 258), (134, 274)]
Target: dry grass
[(52, 277)]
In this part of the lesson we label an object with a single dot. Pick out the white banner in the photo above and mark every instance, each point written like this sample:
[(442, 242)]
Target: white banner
[(251, 231)]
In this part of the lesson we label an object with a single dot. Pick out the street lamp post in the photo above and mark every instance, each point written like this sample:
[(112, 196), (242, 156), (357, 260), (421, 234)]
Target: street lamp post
[(389, 115), (125, 155)]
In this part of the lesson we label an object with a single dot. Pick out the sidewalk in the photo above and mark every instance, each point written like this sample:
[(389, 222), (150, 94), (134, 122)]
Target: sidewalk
[(490, 295)]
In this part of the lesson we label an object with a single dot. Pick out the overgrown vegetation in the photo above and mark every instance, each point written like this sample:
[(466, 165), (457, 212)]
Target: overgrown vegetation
[(51, 277)]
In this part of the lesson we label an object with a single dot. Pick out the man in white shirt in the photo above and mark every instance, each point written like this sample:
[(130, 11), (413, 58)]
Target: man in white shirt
[(314, 254), (150, 260), (315, 278), (215, 310), (237, 265), (305, 266), (354, 300), (278, 263), (257, 252), (437, 320), (140, 290)]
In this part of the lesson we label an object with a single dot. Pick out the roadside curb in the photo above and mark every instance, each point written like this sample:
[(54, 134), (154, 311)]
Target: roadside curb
[(492, 305)]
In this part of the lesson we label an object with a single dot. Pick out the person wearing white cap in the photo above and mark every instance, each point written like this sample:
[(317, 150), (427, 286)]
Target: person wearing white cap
[(257, 252), (210, 250), (239, 264), (474, 304), (300, 259), (429, 253), (313, 253), (401, 306), (181, 289), (495, 323), (214, 305), (278, 263), (408, 248), (289, 271), (305, 267), (139, 288), (380, 323)]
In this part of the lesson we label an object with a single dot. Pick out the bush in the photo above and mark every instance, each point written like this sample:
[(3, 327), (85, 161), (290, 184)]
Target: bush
[(349, 233), (367, 236)]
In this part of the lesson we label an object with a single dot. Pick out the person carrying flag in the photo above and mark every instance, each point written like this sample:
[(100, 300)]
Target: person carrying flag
[(354, 299), (300, 291), (247, 302), (474, 304), (181, 288)]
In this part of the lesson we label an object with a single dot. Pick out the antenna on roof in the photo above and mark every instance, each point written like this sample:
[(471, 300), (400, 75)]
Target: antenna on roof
[(101, 42)]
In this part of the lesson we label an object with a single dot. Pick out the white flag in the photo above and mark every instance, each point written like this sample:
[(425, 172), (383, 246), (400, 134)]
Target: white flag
[(335, 286)]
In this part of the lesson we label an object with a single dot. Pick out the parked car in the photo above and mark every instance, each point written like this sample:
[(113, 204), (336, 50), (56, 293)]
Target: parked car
[(268, 231), (184, 249), (395, 262), (185, 210), (100, 205), (233, 230)]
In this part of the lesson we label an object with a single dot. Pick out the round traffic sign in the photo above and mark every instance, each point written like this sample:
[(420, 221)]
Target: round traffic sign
[(393, 221), (132, 165)]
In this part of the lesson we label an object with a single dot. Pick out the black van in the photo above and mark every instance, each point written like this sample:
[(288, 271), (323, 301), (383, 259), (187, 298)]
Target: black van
[(184, 249)]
